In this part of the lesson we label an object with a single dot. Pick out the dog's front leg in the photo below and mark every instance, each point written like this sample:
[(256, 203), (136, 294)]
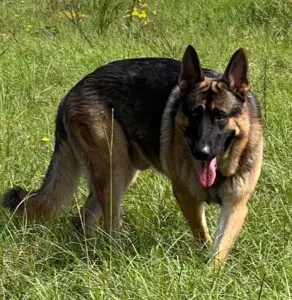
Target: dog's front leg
[(231, 220), (195, 214)]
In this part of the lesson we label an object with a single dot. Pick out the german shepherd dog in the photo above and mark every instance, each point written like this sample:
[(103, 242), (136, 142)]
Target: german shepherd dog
[(203, 130)]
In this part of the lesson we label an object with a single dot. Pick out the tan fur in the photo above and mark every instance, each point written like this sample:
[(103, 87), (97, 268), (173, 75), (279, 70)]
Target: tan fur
[(58, 191), (104, 149), (194, 214), (234, 191), (100, 147), (241, 124)]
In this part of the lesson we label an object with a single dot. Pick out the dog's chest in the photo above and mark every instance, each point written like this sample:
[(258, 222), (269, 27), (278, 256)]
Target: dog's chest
[(209, 195)]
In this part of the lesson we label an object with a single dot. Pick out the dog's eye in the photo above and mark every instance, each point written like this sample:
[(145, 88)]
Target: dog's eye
[(221, 117)]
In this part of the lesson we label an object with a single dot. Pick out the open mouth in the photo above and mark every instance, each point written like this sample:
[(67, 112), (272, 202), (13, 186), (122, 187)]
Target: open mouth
[(206, 171)]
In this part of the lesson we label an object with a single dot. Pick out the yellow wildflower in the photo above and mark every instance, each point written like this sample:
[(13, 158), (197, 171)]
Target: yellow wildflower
[(135, 12), (142, 14), (72, 14), (45, 139), (29, 28)]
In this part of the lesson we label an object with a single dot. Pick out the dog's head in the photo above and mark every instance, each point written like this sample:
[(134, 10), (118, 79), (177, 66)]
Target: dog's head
[(209, 108)]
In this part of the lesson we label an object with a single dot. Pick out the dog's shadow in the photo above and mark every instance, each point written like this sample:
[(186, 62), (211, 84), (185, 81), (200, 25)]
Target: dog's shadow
[(58, 243), (138, 243)]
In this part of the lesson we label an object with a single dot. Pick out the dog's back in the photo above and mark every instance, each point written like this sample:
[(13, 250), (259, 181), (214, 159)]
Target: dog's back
[(136, 92)]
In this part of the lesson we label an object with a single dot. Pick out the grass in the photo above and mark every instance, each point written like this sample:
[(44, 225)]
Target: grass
[(42, 54)]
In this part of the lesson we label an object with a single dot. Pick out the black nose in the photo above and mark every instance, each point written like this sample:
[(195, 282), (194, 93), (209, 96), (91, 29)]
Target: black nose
[(202, 152)]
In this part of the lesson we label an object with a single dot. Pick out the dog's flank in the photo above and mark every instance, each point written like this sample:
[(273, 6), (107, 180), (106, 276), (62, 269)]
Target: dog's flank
[(201, 129)]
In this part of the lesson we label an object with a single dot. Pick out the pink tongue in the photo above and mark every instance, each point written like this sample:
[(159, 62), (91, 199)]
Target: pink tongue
[(207, 172)]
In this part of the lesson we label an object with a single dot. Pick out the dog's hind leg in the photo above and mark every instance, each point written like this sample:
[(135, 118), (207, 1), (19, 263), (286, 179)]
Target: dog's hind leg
[(106, 158), (109, 195), (108, 189), (88, 215)]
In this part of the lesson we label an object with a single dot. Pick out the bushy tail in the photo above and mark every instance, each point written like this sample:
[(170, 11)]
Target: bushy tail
[(57, 189)]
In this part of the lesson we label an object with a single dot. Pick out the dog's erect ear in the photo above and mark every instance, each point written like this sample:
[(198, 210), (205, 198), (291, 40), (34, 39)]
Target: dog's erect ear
[(190, 72), (236, 73)]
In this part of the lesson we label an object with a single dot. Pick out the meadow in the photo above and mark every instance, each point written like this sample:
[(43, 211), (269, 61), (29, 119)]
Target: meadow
[(46, 46)]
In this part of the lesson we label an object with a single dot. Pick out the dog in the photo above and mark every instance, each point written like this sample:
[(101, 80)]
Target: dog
[(201, 129)]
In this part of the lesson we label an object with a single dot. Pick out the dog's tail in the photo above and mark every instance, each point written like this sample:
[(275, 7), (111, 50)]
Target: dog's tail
[(58, 186)]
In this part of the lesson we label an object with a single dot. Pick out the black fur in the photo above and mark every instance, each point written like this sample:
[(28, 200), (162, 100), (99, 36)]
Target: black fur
[(137, 90), (13, 197)]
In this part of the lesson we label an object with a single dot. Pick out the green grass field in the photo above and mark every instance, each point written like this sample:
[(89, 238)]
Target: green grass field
[(46, 46)]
